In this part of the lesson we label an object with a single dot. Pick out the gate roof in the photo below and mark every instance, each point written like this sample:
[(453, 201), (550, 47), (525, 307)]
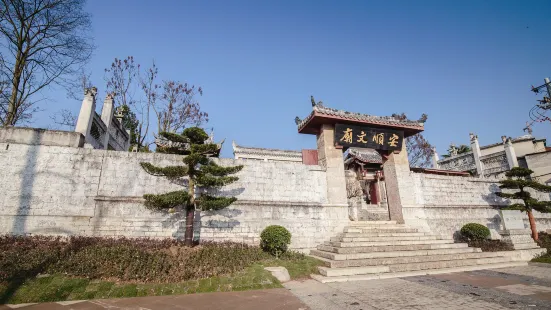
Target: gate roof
[(323, 115)]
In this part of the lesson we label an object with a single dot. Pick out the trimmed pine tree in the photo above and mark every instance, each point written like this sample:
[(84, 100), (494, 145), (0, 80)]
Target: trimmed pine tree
[(201, 172), (518, 179)]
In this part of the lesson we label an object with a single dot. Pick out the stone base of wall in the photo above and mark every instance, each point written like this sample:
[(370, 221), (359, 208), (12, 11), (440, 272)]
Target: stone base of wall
[(309, 224), (447, 220)]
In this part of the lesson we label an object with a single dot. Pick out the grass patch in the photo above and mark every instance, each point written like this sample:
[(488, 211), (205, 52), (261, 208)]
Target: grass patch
[(44, 269), (59, 287), (299, 267), (545, 258)]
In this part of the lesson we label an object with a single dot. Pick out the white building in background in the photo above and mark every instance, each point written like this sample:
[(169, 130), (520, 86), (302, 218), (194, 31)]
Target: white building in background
[(497, 158), (104, 131)]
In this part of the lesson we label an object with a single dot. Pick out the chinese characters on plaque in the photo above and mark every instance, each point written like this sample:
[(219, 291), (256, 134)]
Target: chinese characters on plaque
[(368, 137)]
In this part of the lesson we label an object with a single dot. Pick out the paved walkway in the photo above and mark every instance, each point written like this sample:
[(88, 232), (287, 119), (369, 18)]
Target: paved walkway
[(507, 288), (526, 287)]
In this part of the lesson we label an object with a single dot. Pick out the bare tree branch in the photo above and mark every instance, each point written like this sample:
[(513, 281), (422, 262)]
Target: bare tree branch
[(178, 107), (418, 148), (48, 42), (64, 119)]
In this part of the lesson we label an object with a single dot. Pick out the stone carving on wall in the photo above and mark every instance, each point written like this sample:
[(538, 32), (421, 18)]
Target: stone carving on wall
[(353, 186), (461, 162), (495, 164)]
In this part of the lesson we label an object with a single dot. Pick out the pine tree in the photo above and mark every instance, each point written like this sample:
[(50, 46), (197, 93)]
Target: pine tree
[(201, 172), (517, 178)]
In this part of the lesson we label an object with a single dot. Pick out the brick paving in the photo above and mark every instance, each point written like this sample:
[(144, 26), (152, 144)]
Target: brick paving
[(527, 287)]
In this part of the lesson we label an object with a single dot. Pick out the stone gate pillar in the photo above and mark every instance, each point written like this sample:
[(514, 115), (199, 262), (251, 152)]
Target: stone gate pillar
[(331, 158), (87, 110), (399, 184)]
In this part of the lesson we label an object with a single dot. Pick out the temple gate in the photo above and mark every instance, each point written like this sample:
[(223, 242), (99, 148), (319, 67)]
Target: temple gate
[(376, 159)]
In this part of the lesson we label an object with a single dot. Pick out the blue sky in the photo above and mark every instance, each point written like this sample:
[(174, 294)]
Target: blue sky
[(467, 64)]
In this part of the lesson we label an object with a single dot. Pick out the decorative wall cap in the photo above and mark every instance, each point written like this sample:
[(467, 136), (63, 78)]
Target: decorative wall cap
[(242, 151), (452, 158), (513, 140), (352, 116), (91, 91)]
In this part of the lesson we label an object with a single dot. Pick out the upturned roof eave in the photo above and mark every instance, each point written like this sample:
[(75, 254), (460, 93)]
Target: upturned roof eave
[(311, 125)]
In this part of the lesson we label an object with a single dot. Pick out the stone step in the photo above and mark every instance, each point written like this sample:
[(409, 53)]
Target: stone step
[(391, 248), (383, 261), (369, 223), (378, 226), (378, 239), (390, 242), (389, 275), (524, 246), (381, 230), (374, 210), (352, 271), (383, 234), (364, 215), (342, 257)]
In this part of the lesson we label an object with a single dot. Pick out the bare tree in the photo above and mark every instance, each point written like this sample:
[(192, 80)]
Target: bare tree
[(120, 78), (47, 42), (150, 89), (79, 85), (418, 148), (178, 107), (172, 103)]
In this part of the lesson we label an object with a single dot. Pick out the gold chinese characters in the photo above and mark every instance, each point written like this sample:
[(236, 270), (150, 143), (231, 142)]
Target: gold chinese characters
[(369, 138), (347, 136), (379, 138), (393, 141), (361, 137)]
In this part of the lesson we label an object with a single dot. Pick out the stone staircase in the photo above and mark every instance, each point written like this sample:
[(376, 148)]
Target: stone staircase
[(383, 249)]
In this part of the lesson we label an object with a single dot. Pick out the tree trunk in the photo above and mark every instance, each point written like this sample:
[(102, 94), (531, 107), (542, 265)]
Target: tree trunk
[(190, 214), (188, 236), (533, 225), (12, 104)]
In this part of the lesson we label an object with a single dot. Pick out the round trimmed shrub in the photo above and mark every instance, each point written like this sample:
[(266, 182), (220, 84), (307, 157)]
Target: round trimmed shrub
[(275, 239), (475, 231)]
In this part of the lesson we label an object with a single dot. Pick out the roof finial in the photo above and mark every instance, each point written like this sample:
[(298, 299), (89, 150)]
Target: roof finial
[(297, 120), (313, 101)]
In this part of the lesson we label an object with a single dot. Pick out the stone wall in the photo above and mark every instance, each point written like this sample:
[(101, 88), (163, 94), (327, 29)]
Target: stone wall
[(443, 204), (62, 188), (540, 163), (70, 190)]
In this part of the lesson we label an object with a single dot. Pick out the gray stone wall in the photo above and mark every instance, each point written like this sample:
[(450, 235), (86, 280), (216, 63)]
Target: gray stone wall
[(52, 189), (540, 163), (445, 203), (68, 190)]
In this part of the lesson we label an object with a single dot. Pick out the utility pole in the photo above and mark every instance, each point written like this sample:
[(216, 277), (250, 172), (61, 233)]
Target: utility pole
[(539, 111), (545, 103), (548, 86)]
